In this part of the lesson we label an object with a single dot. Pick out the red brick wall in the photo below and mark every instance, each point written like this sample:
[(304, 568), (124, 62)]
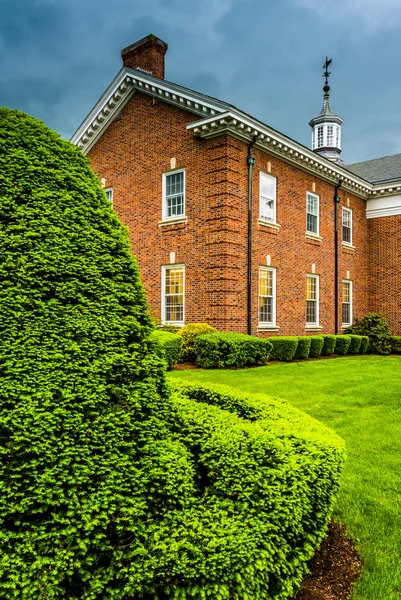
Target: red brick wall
[(385, 269), (132, 155)]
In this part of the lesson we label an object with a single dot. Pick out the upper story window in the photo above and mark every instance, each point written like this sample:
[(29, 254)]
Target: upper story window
[(267, 296), (109, 194), (330, 135), (268, 187), (346, 303), (320, 136), (347, 226), (312, 300), (173, 280), (337, 136), (312, 213), (174, 194)]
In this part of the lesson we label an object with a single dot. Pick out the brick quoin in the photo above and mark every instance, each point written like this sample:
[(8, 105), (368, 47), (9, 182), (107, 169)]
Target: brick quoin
[(136, 150)]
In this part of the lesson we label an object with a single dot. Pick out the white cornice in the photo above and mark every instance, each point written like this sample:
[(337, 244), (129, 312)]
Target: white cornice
[(268, 139), (383, 206)]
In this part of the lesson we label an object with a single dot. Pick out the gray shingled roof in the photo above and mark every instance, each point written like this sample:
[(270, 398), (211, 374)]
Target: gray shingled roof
[(378, 170)]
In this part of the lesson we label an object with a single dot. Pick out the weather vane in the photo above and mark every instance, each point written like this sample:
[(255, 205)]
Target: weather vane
[(326, 74)]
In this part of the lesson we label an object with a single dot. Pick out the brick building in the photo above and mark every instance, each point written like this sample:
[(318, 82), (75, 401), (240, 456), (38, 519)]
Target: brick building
[(232, 222)]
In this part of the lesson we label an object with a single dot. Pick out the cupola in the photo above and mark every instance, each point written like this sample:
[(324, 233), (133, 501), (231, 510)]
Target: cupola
[(326, 127)]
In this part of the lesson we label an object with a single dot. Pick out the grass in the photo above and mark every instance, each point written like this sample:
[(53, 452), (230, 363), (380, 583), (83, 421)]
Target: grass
[(359, 397)]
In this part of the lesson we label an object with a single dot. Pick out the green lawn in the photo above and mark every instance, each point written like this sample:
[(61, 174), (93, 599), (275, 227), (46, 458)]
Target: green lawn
[(359, 397)]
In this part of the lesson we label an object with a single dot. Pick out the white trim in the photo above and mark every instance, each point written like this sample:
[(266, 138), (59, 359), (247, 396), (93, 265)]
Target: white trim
[(268, 324), (174, 218), (263, 174), (316, 234), (173, 221), (349, 210), (270, 224), (165, 268), (383, 207), (314, 325), (351, 302)]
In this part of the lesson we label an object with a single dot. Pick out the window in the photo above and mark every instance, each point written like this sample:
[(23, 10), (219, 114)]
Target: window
[(173, 294), (267, 296), (109, 195), (330, 136), (173, 195), (337, 136), (346, 303), (320, 136), (267, 197), (312, 300), (347, 226), (312, 213)]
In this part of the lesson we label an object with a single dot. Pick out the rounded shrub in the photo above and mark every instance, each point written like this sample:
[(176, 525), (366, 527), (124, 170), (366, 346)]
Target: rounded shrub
[(189, 333), (364, 344), (284, 347), (303, 348), (376, 327), (170, 346), (355, 345), (316, 347), (225, 350), (342, 344), (396, 344), (329, 344)]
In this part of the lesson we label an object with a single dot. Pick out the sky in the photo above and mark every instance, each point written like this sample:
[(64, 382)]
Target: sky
[(264, 56)]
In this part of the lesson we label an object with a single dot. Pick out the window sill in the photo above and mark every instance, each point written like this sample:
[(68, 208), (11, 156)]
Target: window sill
[(173, 323), (343, 326), (268, 328), (313, 328), (172, 221), (313, 237), (348, 246), (269, 224)]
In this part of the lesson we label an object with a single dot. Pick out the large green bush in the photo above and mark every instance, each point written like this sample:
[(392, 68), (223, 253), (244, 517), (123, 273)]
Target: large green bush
[(284, 347), (342, 344), (271, 473), (375, 326), (189, 333), (355, 345), (170, 346), (303, 348), (316, 348), (224, 350), (396, 344), (329, 344)]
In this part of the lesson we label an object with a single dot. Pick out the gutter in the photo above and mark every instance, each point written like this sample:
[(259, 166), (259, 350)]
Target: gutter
[(336, 253), (250, 159)]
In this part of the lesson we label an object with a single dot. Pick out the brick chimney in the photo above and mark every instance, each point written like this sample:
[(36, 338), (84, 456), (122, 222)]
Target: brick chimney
[(146, 54)]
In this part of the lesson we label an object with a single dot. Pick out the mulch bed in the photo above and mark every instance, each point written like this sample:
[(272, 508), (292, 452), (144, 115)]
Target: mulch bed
[(335, 568)]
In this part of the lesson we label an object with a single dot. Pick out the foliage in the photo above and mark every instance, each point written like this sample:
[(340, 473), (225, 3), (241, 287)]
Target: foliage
[(328, 345), (359, 397), (355, 345), (303, 348), (317, 343), (221, 350), (284, 347), (395, 344), (271, 474), (364, 344), (189, 334), (342, 344), (170, 345), (375, 326)]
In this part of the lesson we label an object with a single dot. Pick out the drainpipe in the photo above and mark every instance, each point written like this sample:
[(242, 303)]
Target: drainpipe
[(250, 159), (336, 274)]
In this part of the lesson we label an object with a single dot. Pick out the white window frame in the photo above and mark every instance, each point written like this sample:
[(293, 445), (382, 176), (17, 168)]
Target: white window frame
[(271, 323), (344, 210), (349, 281), (316, 233), (166, 268), (317, 300), (109, 190), (320, 128), (164, 204), (262, 174)]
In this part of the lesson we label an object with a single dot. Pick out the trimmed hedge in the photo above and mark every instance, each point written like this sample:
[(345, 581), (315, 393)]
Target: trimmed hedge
[(395, 341), (189, 333), (222, 350), (284, 347), (355, 345), (364, 344), (329, 345), (316, 347), (270, 475), (303, 348), (170, 346), (342, 344)]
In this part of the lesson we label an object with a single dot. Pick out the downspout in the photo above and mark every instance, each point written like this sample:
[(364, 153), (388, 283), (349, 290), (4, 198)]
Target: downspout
[(336, 249), (250, 159)]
